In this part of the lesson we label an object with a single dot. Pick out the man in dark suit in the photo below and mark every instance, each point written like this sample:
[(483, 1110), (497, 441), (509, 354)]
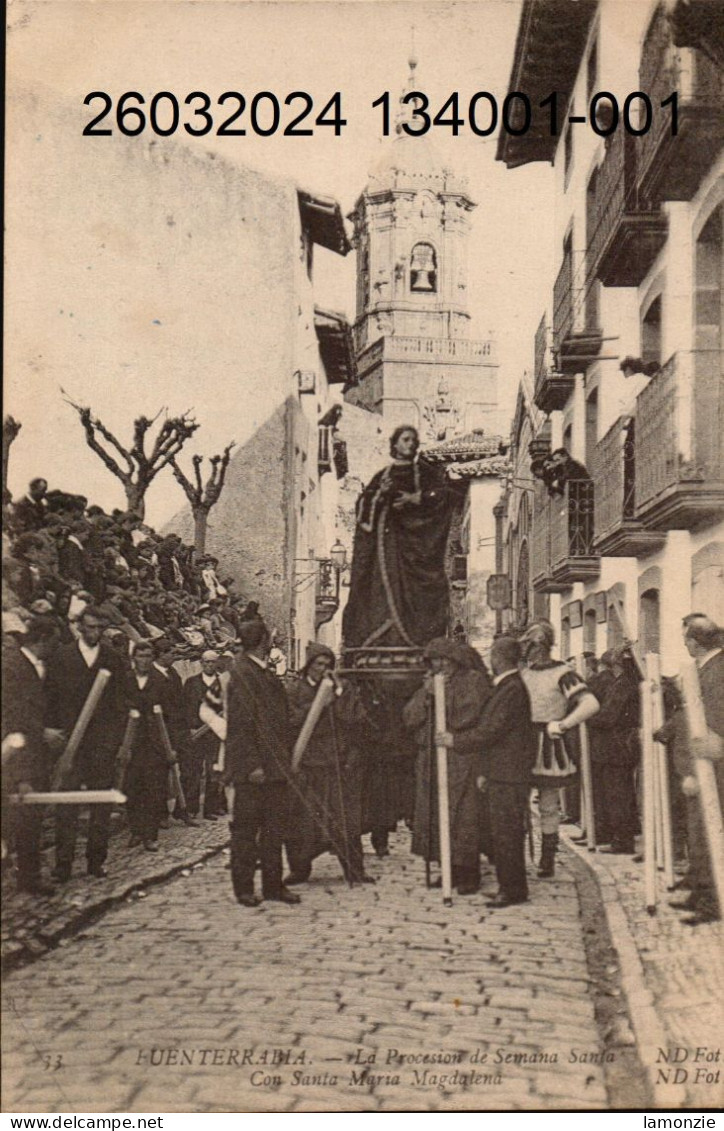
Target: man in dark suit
[(71, 674), (23, 713), (203, 751), (509, 747), (30, 511), (176, 720), (258, 760), (73, 561), (146, 778), (600, 683), (703, 640)]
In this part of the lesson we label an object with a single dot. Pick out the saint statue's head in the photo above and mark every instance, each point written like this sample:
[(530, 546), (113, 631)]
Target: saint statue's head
[(404, 442)]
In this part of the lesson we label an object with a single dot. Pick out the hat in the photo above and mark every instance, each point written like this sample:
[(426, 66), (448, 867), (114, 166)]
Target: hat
[(314, 651), (209, 654), (41, 606)]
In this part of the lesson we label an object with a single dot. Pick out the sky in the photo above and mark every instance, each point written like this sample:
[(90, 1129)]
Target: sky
[(66, 48)]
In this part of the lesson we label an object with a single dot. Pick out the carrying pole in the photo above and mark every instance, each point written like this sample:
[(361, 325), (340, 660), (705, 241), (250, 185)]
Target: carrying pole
[(126, 748), (586, 776), (77, 735), (653, 667), (442, 790), (170, 757), (705, 778)]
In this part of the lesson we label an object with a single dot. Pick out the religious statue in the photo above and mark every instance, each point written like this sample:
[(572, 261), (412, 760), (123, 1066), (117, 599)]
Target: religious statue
[(398, 587)]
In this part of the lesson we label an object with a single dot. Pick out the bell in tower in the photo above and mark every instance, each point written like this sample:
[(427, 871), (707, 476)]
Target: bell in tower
[(423, 273)]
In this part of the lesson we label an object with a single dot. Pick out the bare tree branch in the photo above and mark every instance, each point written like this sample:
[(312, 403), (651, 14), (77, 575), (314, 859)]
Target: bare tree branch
[(203, 498)]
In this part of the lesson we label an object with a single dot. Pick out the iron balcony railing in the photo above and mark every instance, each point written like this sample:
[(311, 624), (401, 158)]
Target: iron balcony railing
[(680, 425), (666, 68), (614, 478), (563, 530)]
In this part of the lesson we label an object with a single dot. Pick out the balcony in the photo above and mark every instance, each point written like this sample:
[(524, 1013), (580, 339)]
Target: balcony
[(435, 351), (624, 238), (563, 525), (671, 168), (552, 389), (616, 530), (576, 341), (679, 443)]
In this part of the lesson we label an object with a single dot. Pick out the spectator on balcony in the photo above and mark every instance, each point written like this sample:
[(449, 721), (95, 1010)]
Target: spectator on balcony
[(559, 468), (560, 700)]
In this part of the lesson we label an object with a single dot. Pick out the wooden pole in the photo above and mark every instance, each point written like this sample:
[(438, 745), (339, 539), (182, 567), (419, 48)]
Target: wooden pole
[(443, 798), (81, 726), (170, 757), (586, 776), (324, 696), (705, 777), (649, 797), (124, 752), (653, 667)]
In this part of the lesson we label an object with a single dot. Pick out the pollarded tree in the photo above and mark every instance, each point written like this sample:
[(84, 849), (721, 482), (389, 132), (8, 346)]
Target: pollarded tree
[(203, 497), (134, 465)]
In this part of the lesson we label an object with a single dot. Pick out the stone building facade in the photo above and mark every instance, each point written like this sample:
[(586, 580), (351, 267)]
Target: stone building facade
[(627, 373)]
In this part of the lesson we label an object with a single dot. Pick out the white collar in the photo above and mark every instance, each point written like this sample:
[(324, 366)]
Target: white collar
[(141, 680), (208, 679), (504, 675), (259, 663), (89, 654), (72, 538)]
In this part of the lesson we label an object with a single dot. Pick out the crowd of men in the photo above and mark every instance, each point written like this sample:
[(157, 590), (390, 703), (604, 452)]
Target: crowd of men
[(100, 617), (85, 592)]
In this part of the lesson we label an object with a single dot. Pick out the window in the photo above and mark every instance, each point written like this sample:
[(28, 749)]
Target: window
[(591, 429), (649, 621), (423, 268), (709, 294)]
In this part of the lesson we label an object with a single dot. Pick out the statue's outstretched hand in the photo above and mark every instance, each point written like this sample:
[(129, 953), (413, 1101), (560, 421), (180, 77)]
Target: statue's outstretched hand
[(406, 499)]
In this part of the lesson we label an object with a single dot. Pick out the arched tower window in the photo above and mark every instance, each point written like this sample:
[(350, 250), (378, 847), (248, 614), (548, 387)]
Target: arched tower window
[(423, 268)]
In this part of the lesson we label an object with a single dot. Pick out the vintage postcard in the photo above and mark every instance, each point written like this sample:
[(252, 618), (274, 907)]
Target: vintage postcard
[(363, 556)]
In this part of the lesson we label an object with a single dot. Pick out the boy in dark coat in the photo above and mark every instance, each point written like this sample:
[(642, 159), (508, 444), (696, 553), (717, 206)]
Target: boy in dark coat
[(509, 745)]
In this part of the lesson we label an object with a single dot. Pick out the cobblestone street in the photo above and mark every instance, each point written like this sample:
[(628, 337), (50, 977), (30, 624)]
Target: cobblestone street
[(373, 999)]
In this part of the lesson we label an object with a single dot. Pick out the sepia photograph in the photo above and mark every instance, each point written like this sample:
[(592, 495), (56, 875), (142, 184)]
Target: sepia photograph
[(363, 557)]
